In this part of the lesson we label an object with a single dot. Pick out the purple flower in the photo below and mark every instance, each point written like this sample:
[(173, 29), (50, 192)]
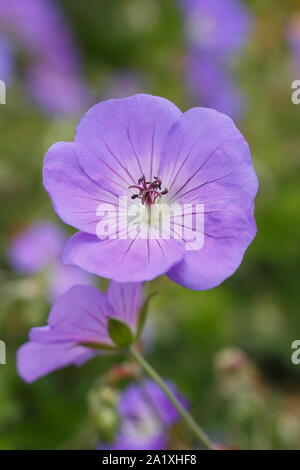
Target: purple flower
[(78, 319), (216, 31), (145, 142), (57, 91), (52, 72), (211, 85), (293, 39), (217, 27), (146, 414), (6, 62), (123, 83), (38, 248)]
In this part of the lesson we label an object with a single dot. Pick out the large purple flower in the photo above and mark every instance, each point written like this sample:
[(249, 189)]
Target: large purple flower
[(146, 415), (37, 249), (145, 149), (39, 32), (78, 324)]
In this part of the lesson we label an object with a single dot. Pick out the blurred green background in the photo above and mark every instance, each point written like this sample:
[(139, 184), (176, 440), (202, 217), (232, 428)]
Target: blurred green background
[(228, 349)]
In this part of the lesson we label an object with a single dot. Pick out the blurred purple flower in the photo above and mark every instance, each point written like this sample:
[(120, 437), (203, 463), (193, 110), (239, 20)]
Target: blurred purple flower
[(122, 84), (146, 415), (57, 91), (293, 39), (38, 248), (6, 62), (212, 86), (217, 27), (200, 156), (216, 31), (52, 72), (79, 317)]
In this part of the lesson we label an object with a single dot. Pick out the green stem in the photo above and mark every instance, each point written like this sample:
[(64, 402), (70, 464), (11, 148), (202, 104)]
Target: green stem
[(188, 419)]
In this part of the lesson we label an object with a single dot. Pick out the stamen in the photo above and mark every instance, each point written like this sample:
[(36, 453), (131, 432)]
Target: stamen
[(149, 191)]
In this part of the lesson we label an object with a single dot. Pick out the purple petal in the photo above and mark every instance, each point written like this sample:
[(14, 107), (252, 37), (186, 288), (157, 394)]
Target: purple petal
[(126, 442), (126, 301), (123, 260), (204, 147), (135, 397), (213, 167), (118, 141), (74, 195), (227, 236), (79, 316), (36, 360), (146, 414)]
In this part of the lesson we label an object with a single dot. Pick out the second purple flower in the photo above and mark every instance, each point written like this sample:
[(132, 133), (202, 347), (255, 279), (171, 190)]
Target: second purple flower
[(81, 323)]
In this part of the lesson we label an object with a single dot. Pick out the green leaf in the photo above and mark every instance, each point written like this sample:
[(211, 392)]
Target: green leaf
[(143, 315), (119, 332)]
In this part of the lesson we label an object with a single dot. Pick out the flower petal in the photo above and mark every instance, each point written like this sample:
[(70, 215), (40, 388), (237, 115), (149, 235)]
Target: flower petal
[(36, 360), (145, 413), (226, 238), (128, 260), (74, 195), (203, 147), (125, 441), (126, 301), (212, 167), (118, 141), (135, 397), (79, 316)]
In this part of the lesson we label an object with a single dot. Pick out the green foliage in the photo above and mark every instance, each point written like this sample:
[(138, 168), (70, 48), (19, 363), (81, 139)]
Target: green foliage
[(120, 333)]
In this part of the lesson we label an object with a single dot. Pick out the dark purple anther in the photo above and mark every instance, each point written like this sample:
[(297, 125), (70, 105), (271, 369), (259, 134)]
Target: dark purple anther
[(149, 191)]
